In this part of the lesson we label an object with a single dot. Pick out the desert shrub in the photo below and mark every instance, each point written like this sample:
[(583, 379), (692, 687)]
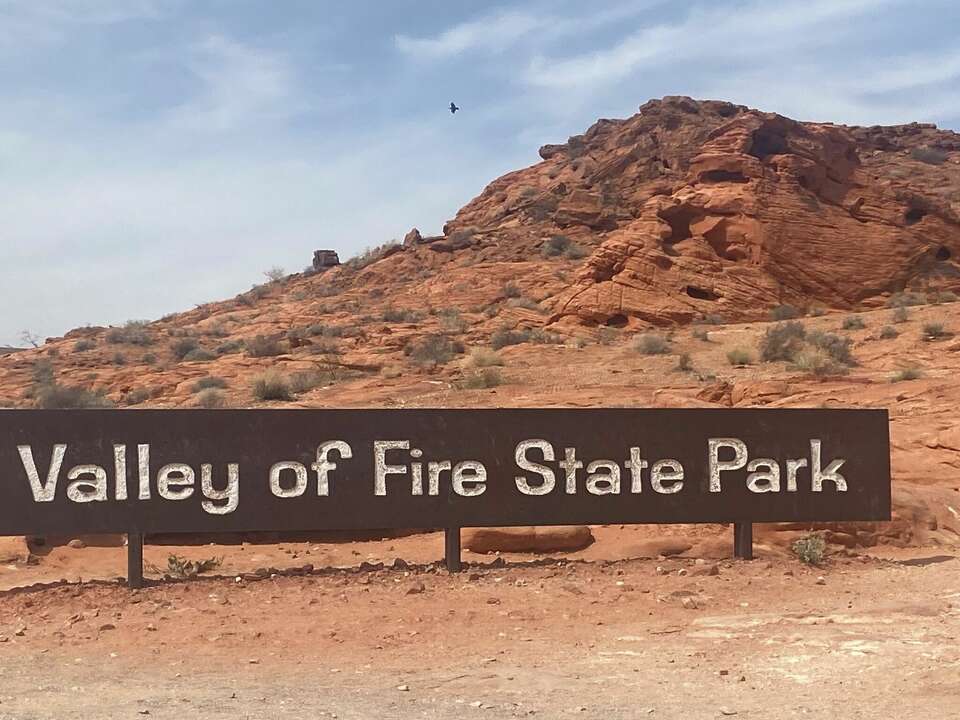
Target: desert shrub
[(228, 347), (52, 396), (651, 344), (809, 549), (275, 273), (816, 311), (483, 357), (929, 155), (906, 299), (119, 359), (452, 322), (817, 361), (540, 336), (370, 255), (182, 568), (701, 334), (325, 347), (149, 359), (135, 397), (932, 330), (555, 246), (888, 332), (200, 355), (211, 399), (305, 381), (505, 337), (84, 345), (315, 329), (854, 322), (713, 319), (211, 381), (487, 377), (524, 303), (271, 386), (576, 252), (262, 346), (183, 347), (942, 296), (511, 290), (404, 315), (42, 372), (684, 363), (900, 315), (607, 335), (835, 346), (782, 341), (910, 373), (739, 356), (785, 312), (133, 332), (216, 330), (435, 350)]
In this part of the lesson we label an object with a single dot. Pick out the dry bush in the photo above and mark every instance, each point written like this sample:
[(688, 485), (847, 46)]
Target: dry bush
[(652, 344), (483, 357), (211, 399), (739, 357), (271, 386), (262, 346)]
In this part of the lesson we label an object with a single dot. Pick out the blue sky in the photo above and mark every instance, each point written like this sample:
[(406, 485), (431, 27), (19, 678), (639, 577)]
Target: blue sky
[(155, 154)]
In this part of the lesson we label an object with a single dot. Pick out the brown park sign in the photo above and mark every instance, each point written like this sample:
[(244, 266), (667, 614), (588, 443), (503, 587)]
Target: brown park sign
[(203, 471)]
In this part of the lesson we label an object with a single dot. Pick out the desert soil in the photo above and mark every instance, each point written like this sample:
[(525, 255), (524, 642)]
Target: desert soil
[(573, 635)]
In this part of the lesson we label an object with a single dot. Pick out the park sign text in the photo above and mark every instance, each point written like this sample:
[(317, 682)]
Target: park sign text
[(153, 471)]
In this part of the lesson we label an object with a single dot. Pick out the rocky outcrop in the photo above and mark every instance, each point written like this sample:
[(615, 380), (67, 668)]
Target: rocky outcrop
[(325, 259)]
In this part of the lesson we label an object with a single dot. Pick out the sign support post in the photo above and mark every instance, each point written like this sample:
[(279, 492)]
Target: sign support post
[(451, 543), (134, 560), (743, 540)]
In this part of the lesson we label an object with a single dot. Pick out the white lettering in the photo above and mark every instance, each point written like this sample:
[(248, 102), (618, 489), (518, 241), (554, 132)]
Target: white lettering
[(42, 491), (520, 457)]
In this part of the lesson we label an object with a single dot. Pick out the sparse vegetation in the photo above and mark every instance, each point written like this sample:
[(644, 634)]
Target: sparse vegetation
[(853, 322), (200, 355), (262, 346), (739, 357), (782, 341), (211, 381), (809, 549), (900, 315), (701, 334), (211, 399), (435, 350), (524, 303), (84, 345), (818, 362), (934, 331), (305, 381), (838, 348), (561, 245), (684, 363), (52, 396), (228, 347), (135, 397), (908, 373), (607, 335), (505, 337), (183, 347), (488, 377), (816, 311), (785, 312), (119, 359), (149, 359), (651, 344), (511, 290), (370, 255), (271, 386), (275, 274), (888, 332), (483, 357), (906, 299), (452, 322), (393, 315), (942, 296), (713, 319), (133, 332), (181, 568), (929, 155)]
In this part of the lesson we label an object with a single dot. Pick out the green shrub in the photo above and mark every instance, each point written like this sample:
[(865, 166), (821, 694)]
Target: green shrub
[(888, 332), (208, 382), (810, 549), (183, 347), (906, 299), (651, 344), (271, 386), (910, 373), (900, 315), (53, 396), (785, 312), (84, 345), (488, 377), (482, 357), (933, 330), (854, 322), (211, 399), (200, 355), (262, 346), (739, 356), (782, 341)]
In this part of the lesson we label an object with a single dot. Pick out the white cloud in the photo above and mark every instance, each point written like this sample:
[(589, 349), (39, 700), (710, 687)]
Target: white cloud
[(493, 32)]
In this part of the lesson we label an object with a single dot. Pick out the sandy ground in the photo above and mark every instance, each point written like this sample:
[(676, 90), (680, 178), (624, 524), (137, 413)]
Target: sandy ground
[(552, 638)]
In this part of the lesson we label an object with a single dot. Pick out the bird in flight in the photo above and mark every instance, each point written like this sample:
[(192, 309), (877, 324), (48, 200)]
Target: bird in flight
[(453, 108)]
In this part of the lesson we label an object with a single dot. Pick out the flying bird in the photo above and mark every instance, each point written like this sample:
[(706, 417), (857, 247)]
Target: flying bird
[(453, 108)]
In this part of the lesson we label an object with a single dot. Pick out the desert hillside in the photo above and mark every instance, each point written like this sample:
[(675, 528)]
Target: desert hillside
[(697, 253)]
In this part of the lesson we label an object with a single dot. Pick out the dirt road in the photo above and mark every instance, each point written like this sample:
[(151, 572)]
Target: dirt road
[(632, 639)]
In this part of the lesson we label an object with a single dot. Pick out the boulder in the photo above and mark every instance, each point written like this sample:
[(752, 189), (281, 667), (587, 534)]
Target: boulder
[(325, 259), (412, 238), (566, 538), (14, 549)]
